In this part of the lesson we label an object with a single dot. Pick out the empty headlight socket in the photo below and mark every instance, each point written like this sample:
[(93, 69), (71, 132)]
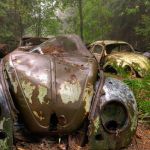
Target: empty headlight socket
[(112, 126)]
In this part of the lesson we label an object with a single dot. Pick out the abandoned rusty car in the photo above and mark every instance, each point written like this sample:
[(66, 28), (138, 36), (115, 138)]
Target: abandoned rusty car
[(58, 88), (120, 58)]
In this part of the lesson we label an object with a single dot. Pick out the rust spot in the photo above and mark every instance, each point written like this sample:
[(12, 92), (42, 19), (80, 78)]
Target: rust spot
[(51, 49)]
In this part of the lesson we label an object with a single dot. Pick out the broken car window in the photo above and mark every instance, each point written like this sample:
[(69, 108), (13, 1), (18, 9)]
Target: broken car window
[(64, 45), (118, 48)]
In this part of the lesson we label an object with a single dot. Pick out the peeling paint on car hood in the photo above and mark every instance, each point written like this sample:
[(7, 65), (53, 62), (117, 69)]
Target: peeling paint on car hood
[(50, 84)]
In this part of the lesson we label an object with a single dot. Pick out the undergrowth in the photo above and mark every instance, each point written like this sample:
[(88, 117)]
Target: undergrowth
[(141, 89)]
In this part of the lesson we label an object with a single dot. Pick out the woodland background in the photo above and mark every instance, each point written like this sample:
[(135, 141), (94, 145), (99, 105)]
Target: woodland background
[(93, 20), (127, 20)]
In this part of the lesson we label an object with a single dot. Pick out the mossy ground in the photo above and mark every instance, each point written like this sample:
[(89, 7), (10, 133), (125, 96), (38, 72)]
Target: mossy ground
[(141, 89)]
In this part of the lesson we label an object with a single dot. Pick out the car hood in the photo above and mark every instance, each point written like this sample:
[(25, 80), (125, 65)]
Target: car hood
[(138, 62), (44, 84)]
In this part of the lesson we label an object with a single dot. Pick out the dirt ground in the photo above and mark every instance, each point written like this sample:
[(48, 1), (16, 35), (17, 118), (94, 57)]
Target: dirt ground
[(141, 141)]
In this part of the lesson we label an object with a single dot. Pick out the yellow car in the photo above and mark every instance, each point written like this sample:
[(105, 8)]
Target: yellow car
[(120, 57)]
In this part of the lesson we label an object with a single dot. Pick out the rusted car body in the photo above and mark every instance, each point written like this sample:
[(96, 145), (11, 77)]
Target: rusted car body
[(57, 89), (120, 58)]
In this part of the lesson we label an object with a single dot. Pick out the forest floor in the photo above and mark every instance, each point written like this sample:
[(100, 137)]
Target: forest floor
[(141, 141)]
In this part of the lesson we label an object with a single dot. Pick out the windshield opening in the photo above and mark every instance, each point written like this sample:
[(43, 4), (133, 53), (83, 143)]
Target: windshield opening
[(118, 48), (68, 44)]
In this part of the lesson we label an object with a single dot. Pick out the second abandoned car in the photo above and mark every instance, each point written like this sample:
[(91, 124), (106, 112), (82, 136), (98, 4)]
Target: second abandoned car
[(120, 58), (57, 89)]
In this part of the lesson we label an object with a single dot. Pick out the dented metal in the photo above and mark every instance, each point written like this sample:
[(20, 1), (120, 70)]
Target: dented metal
[(55, 92)]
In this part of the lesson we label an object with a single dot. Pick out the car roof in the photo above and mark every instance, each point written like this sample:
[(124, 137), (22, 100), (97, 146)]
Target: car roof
[(108, 42)]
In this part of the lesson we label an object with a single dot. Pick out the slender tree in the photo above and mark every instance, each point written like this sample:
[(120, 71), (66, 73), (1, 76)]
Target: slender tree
[(81, 18)]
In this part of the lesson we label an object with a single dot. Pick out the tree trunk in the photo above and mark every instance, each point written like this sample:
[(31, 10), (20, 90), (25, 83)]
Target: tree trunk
[(39, 24), (21, 26), (81, 18)]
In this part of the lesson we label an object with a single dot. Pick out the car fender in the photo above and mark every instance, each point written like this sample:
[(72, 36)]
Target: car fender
[(6, 119), (118, 94)]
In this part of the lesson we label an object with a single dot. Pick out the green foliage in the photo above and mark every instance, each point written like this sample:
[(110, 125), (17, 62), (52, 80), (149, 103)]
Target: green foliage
[(14, 17), (97, 17), (141, 89), (144, 106), (127, 18), (114, 19), (144, 27), (44, 21), (132, 11)]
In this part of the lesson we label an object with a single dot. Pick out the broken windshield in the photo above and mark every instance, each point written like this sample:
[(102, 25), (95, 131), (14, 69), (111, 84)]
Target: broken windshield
[(68, 44)]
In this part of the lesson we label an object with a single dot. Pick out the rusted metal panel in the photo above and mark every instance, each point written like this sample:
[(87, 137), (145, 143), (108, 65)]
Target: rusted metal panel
[(75, 88), (137, 62), (31, 86)]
